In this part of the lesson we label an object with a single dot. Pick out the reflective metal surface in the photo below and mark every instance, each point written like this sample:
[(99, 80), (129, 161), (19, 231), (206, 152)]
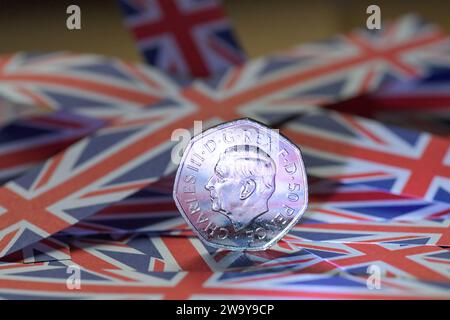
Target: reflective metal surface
[(241, 185)]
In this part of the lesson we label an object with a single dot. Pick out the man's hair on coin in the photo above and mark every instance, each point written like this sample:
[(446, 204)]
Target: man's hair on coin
[(247, 161)]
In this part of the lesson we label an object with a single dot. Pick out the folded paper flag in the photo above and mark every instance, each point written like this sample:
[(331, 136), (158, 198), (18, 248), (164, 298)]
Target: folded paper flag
[(70, 209), (345, 215), (334, 202), (423, 104), (274, 88), (91, 174), (371, 216), (11, 111), (368, 216), (305, 276), (146, 211), (31, 140), (426, 232), (119, 161), (185, 38), (49, 283), (270, 89), (364, 152), (427, 263), (81, 87), (91, 85)]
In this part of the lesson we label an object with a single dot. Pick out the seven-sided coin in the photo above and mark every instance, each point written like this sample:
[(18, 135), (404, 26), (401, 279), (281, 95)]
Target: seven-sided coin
[(241, 185)]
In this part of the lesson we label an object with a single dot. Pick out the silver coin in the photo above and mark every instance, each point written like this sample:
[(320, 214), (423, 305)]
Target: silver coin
[(241, 185)]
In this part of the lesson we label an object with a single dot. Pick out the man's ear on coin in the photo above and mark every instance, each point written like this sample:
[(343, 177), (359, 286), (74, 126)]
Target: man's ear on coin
[(247, 188)]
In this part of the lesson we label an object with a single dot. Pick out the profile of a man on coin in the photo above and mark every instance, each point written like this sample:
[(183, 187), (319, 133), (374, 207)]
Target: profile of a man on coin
[(242, 184)]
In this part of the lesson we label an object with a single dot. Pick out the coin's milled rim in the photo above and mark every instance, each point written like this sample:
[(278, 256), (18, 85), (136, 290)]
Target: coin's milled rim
[(222, 126)]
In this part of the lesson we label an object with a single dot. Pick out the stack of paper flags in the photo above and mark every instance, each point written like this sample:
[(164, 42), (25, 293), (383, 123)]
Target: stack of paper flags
[(88, 184)]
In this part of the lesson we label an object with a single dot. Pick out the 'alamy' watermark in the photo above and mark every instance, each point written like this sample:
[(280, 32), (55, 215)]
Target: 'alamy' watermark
[(73, 21), (373, 22), (73, 282), (374, 280), (183, 136)]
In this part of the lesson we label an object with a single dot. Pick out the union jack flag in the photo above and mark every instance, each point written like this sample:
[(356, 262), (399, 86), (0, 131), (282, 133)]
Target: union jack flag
[(31, 140), (186, 38), (149, 210), (133, 268), (277, 87), (418, 232), (106, 167), (422, 104), (11, 111), (86, 84), (428, 263), (78, 85), (359, 151), (101, 203), (334, 202), (365, 215)]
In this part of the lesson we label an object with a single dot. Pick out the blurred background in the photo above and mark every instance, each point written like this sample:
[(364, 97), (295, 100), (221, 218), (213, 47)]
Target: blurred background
[(262, 26)]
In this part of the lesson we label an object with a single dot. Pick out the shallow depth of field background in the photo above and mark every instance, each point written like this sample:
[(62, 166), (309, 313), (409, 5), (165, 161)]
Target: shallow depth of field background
[(262, 25)]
